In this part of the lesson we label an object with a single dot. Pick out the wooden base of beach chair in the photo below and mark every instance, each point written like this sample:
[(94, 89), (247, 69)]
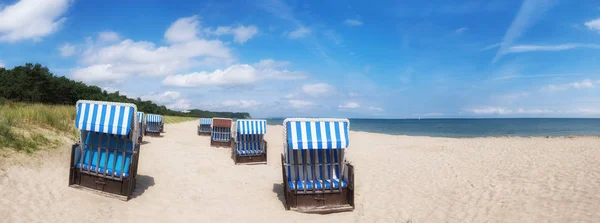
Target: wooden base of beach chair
[(220, 144), (108, 187), (248, 159), (320, 201), (153, 134), (204, 133)]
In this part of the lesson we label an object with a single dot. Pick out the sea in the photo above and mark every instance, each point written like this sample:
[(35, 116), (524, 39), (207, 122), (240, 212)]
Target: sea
[(467, 128)]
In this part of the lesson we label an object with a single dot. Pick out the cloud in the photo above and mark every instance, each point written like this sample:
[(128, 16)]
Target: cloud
[(489, 47), (183, 30), (2, 64), (349, 105), (240, 103), (433, 114), (559, 47), (181, 104), (143, 58), (300, 103), (534, 111), (489, 111), (529, 13), (587, 83), (108, 36), (238, 74), (512, 96), (593, 25), (461, 30), (318, 89), (271, 64), (31, 19), (98, 73), (240, 33), (171, 99), (299, 33), (67, 50), (377, 109), (353, 22)]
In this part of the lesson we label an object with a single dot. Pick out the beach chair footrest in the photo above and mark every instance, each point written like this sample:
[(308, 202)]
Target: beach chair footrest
[(220, 144)]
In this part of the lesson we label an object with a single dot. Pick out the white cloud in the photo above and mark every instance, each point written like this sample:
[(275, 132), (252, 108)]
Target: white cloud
[(240, 33), (461, 30), (489, 47), (98, 73), (271, 64), (299, 33), (353, 22), (349, 105), (67, 50), (240, 103), (512, 96), (300, 103), (180, 104), (318, 89), (535, 111), (290, 96), (529, 13), (2, 64), (234, 75), (31, 19), (171, 99), (377, 109), (108, 36), (489, 111), (593, 25), (183, 30), (147, 59), (433, 114), (587, 83), (559, 47)]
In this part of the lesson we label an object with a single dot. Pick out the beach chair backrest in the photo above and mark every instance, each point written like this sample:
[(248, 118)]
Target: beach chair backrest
[(221, 129), (153, 122), (249, 135), (205, 124), (140, 121), (108, 135), (314, 148)]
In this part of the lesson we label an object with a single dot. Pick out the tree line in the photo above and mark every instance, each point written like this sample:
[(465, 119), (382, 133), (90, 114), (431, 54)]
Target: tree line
[(36, 84)]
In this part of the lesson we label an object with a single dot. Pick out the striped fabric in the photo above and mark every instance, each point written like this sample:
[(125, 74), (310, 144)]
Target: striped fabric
[(249, 126), (316, 133), (314, 152), (141, 123), (106, 154), (105, 117), (250, 144), (153, 118), (205, 121), (140, 117), (221, 134)]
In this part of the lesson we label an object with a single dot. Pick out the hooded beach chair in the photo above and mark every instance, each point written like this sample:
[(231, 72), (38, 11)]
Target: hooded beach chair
[(106, 157), (153, 124), (141, 125), (204, 126), (249, 145), (221, 132), (316, 177)]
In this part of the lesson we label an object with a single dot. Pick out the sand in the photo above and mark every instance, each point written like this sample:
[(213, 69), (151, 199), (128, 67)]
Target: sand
[(398, 179)]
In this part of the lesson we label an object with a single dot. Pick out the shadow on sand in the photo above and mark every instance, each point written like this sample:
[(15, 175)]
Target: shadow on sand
[(143, 182)]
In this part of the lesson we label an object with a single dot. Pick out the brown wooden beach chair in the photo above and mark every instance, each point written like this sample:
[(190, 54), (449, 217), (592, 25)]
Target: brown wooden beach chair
[(221, 132), (249, 145), (316, 177), (105, 159)]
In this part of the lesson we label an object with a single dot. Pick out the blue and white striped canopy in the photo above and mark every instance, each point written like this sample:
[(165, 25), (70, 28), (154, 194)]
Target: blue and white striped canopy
[(105, 117), (140, 117), (251, 126), (305, 133), (153, 118), (205, 121)]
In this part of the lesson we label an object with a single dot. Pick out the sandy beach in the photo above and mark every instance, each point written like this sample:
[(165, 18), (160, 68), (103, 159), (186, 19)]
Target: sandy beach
[(398, 179)]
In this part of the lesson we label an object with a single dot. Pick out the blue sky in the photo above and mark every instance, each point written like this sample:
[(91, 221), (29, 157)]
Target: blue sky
[(272, 58)]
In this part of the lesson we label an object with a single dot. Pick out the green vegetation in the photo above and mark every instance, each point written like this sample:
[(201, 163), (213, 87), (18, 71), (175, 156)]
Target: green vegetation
[(36, 84), (28, 127), (177, 119)]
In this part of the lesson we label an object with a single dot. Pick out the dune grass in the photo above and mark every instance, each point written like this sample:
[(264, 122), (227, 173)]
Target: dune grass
[(28, 127), (177, 119)]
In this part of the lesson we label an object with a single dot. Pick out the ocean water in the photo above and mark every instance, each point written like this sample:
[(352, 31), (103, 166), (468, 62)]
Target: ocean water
[(476, 127)]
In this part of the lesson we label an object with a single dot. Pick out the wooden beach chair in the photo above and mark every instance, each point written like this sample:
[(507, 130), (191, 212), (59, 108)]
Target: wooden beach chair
[(153, 123), (204, 126), (249, 145), (141, 126), (105, 159), (221, 132), (316, 177)]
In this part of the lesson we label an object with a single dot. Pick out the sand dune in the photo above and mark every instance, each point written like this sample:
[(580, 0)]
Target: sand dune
[(399, 178)]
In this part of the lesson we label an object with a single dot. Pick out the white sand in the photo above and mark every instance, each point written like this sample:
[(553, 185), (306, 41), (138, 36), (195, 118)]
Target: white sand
[(399, 178)]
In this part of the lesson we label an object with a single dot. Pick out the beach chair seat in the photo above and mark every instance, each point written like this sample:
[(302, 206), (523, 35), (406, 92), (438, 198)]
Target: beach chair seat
[(249, 146), (106, 157), (316, 177), (221, 132)]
